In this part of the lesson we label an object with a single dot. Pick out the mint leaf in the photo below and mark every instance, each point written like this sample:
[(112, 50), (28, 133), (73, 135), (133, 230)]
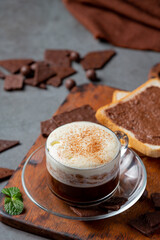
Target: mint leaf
[(13, 201), (18, 196), (7, 200), (14, 207), (10, 191)]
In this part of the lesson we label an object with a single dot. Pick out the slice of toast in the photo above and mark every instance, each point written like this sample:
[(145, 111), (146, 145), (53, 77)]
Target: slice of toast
[(118, 94), (138, 115)]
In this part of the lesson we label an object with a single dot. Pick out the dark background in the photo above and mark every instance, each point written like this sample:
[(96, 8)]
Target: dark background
[(27, 28)]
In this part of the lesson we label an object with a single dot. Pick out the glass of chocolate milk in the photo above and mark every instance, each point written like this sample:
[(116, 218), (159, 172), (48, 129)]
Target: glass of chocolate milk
[(82, 161)]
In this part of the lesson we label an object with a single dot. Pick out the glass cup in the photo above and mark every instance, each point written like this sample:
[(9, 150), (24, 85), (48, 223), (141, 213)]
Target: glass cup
[(85, 186)]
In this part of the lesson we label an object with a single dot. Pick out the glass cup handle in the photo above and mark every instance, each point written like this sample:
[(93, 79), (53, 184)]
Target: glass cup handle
[(123, 138)]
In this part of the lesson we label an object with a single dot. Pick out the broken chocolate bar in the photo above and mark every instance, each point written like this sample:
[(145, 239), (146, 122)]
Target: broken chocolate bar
[(13, 82), (6, 144), (114, 203), (14, 65), (142, 225), (84, 113), (61, 73), (86, 212), (96, 60), (54, 81), (153, 218), (5, 173), (58, 58), (43, 72), (47, 127)]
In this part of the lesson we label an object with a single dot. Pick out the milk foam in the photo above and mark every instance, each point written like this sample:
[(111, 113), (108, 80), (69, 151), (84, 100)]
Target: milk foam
[(82, 145)]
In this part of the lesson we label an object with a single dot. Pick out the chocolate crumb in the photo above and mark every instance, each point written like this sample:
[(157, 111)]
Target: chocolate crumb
[(70, 83), (91, 74), (25, 70), (74, 56)]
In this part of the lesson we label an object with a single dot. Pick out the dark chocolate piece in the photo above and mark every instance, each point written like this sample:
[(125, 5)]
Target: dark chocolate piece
[(43, 72), (62, 73), (6, 144), (84, 113), (154, 72), (153, 218), (13, 82), (58, 58), (47, 127), (96, 60), (5, 173), (2, 75), (141, 224), (26, 70), (55, 81), (114, 203), (86, 212), (70, 83), (29, 81), (91, 74), (156, 199), (74, 56), (14, 65)]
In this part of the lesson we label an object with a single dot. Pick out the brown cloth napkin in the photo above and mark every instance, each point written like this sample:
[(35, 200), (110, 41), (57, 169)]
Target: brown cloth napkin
[(125, 23)]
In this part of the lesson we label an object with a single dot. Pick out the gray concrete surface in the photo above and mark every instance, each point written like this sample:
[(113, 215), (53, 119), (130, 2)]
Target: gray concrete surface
[(27, 28)]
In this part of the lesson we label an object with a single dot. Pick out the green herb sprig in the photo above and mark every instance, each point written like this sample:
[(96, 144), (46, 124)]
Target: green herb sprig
[(13, 203)]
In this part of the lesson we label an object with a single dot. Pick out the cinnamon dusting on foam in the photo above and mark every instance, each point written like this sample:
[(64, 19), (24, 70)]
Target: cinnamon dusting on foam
[(82, 145)]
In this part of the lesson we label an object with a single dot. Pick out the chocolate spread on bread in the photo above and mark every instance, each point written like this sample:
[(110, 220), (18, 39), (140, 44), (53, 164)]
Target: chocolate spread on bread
[(140, 115)]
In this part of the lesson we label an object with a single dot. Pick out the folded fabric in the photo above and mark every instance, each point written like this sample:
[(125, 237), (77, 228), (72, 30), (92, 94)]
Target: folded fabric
[(125, 23)]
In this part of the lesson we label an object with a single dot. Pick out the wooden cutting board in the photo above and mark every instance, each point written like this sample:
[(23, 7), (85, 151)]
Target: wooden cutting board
[(39, 222)]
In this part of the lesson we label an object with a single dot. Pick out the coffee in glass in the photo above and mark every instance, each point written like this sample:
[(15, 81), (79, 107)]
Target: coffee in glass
[(82, 160)]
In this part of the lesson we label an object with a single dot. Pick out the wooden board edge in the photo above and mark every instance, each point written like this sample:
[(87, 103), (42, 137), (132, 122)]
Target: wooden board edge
[(36, 230)]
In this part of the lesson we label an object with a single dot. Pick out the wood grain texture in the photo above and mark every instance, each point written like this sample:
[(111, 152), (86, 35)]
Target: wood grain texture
[(37, 221)]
